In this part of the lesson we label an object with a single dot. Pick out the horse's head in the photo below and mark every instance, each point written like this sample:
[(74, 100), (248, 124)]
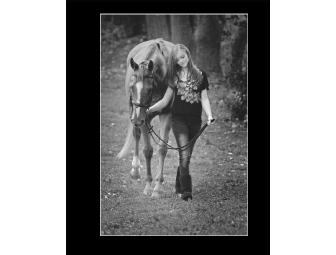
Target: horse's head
[(141, 90)]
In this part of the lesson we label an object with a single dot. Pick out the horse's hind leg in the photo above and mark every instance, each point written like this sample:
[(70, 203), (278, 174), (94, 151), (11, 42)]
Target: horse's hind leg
[(135, 172), (165, 123), (148, 153)]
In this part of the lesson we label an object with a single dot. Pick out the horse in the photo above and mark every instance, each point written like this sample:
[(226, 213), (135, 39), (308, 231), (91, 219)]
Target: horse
[(145, 84)]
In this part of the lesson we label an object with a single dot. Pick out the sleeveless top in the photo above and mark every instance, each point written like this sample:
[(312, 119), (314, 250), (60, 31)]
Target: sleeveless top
[(187, 100)]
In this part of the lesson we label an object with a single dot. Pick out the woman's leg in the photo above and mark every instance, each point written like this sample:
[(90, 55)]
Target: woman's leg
[(194, 127), (183, 134), (180, 131)]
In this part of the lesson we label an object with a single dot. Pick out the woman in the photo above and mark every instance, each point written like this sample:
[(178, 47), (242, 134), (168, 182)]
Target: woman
[(188, 88)]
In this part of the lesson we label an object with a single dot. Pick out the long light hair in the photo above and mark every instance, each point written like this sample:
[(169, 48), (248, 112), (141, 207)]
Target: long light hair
[(174, 68)]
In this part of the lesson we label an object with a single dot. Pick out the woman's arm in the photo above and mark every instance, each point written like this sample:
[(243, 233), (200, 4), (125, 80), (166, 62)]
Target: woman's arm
[(206, 105), (163, 102)]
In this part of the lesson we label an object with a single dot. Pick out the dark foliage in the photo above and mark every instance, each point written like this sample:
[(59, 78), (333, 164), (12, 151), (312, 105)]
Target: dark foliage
[(236, 99), (233, 49)]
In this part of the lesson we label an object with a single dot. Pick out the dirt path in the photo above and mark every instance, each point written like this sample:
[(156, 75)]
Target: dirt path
[(218, 168)]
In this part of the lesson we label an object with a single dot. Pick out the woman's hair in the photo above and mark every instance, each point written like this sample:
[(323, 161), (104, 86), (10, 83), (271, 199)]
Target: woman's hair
[(173, 67)]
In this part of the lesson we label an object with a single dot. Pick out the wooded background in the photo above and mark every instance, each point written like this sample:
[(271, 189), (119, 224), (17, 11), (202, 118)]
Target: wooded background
[(218, 44)]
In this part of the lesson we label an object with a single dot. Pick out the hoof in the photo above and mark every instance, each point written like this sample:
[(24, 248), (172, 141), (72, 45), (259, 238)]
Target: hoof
[(156, 194), (135, 174), (158, 190), (147, 190), (135, 177)]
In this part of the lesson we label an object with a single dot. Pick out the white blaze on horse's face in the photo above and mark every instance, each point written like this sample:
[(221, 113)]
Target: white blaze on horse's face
[(139, 87), (136, 88)]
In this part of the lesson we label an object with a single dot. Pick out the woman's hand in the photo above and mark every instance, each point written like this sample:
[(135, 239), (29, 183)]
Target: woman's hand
[(206, 106), (162, 103), (210, 121)]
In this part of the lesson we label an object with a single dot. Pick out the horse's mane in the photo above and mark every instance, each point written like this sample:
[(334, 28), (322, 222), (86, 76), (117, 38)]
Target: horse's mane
[(157, 50), (152, 49), (142, 51)]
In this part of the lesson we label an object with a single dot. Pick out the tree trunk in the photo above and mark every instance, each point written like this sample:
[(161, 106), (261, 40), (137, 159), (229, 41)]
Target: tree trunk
[(182, 31), (238, 51), (200, 33), (158, 26), (207, 39)]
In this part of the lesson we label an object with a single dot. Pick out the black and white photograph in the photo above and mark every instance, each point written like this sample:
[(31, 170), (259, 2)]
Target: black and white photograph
[(156, 125), (174, 124)]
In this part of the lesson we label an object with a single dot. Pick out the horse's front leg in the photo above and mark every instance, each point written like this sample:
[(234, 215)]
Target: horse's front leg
[(135, 172), (148, 153), (165, 126)]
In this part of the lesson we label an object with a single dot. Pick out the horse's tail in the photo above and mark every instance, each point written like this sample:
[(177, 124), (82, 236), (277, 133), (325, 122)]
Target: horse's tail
[(128, 142)]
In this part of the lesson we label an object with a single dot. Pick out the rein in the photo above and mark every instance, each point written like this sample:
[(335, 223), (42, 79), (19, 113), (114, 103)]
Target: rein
[(169, 147)]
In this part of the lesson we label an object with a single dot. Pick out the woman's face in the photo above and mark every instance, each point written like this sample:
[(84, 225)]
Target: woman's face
[(182, 58)]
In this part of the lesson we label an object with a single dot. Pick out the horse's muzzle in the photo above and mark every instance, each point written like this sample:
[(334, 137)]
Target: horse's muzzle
[(137, 123)]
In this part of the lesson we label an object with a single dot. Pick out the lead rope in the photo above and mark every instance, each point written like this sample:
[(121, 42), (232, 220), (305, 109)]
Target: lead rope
[(169, 147)]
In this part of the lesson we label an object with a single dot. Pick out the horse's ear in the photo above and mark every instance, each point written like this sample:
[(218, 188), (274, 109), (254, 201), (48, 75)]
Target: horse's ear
[(150, 65), (134, 65)]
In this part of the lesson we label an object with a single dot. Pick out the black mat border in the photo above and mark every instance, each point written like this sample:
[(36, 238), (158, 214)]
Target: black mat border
[(83, 126)]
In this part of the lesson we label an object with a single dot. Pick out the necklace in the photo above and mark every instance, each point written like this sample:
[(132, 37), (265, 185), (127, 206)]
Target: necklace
[(188, 90)]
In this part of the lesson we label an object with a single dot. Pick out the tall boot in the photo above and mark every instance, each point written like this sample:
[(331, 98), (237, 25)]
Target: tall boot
[(185, 184), (177, 182)]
